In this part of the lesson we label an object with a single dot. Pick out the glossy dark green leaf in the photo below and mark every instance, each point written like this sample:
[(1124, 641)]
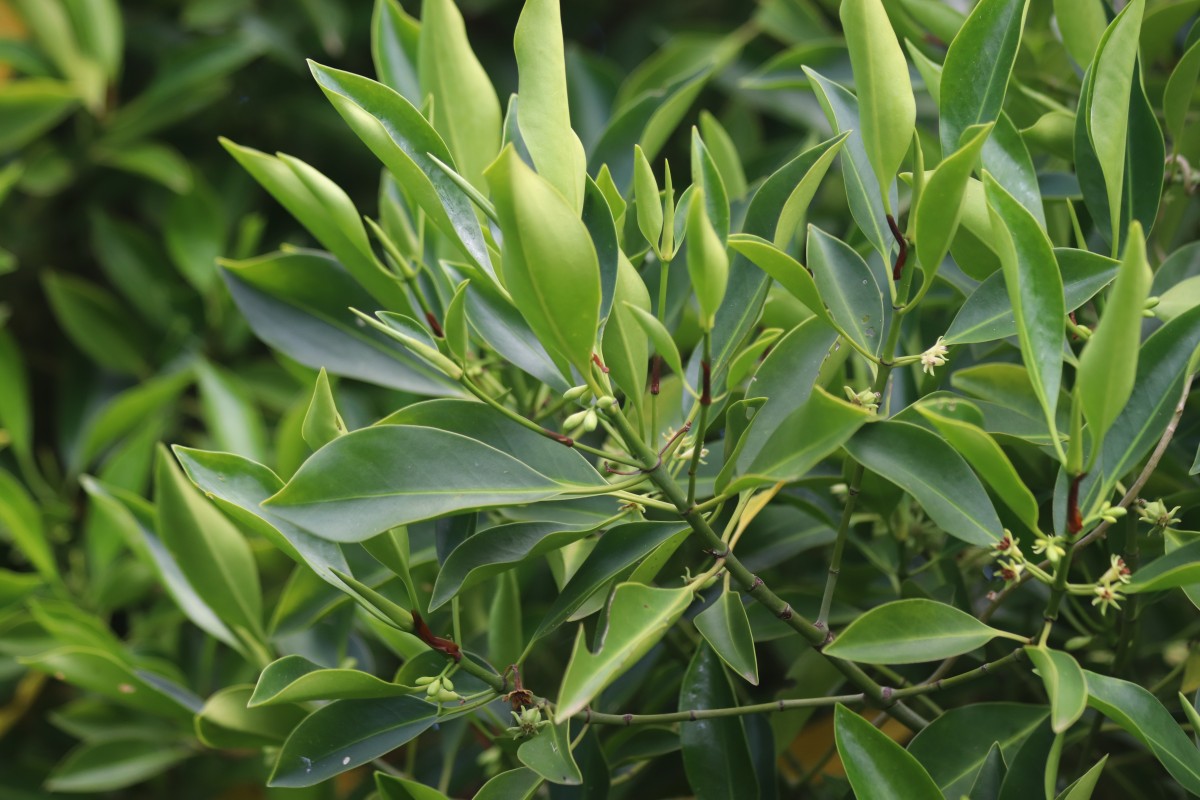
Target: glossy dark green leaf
[(299, 302), (909, 632), (987, 313), (391, 787), (550, 264), (404, 141), (931, 471), (1026, 773), (1083, 788), (990, 777), (1035, 290), (726, 628), (549, 755), (978, 64), (516, 784), (295, 679), (466, 109), (107, 766), (716, 754), (639, 617), (346, 734), (226, 721), (1144, 717), (1065, 685), (956, 745), (849, 288), (878, 768), (495, 550)]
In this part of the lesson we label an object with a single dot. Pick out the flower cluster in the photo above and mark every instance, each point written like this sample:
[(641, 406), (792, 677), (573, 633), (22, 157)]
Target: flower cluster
[(1157, 513), (866, 398), (934, 356), (1011, 563), (528, 723), (1108, 587), (440, 689)]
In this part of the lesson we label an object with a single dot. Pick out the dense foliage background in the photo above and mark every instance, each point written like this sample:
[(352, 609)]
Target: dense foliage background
[(122, 671)]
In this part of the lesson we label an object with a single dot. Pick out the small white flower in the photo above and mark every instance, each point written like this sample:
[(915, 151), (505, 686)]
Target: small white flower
[(1107, 596), (1117, 573), (934, 356)]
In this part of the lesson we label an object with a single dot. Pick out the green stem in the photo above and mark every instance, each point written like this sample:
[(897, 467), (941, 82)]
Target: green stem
[(696, 715), (702, 425), (751, 583)]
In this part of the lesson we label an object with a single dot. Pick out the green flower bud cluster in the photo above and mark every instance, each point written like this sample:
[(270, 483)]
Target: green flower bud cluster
[(439, 689), (528, 723)]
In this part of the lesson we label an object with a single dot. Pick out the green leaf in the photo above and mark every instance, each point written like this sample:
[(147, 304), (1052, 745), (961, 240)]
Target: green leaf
[(863, 189), (322, 422), (987, 314), (550, 264), (716, 754), (392, 788), (849, 288), (516, 784), (1144, 718), (726, 628), (931, 471), (911, 632), (1178, 568), (724, 155), (941, 203), (543, 113), (16, 414), (97, 324), (395, 39), (1177, 97), (618, 549), (196, 230), (1035, 290), (130, 409), (639, 617), (877, 767), (1065, 685), (789, 272), (30, 107), (886, 105), (103, 673), (956, 745), (660, 337), (978, 64), (299, 303), (1107, 105), (648, 198), (1107, 365), (227, 722), (1082, 24), (360, 484), (1083, 788), (107, 766), (496, 550), (466, 109), (152, 160), (458, 337), (549, 755), (404, 141), (233, 421), (983, 453), (990, 778), (505, 626), (212, 553), (1026, 773), (322, 207), (815, 430), (295, 679), (346, 734), (625, 346), (707, 261), (238, 486), (707, 177), (21, 521)]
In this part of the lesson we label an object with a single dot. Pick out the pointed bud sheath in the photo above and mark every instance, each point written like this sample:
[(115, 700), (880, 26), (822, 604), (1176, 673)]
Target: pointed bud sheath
[(649, 202), (707, 261), (322, 423), (423, 350), (1108, 364), (383, 607)]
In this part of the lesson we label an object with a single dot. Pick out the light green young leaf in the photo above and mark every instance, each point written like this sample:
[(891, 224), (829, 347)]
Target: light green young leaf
[(911, 632), (212, 553), (977, 68), (395, 41), (1083, 788), (625, 345), (16, 415), (639, 617), (647, 198), (1144, 717), (941, 203), (295, 679), (1180, 567), (878, 768), (516, 784), (392, 788), (660, 337), (724, 154), (1108, 364), (930, 470), (789, 272), (543, 113), (707, 177), (886, 105), (549, 755), (1035, 290), (322, 422), (1107, 101), (726, 628), (550, 264), (707, 261), (457, 335), (983, 453), (795, 209), (21, 520), (466, 109), (1082, 24), (1065, 685), (233, 420), (226, 721)]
